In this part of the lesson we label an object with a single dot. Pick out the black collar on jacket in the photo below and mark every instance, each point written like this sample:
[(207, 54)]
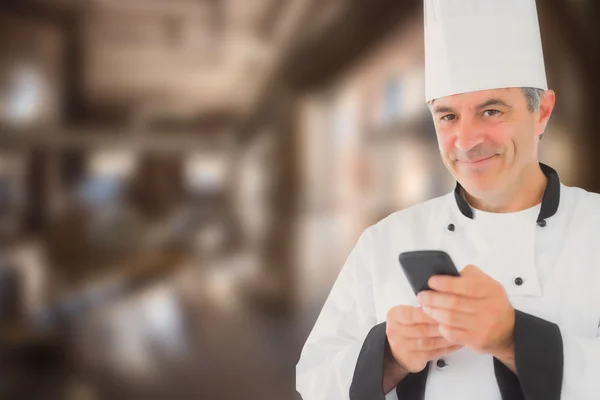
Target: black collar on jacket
[(550, 200)]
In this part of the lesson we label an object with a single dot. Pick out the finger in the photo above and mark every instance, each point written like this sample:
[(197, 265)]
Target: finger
[(418, 331), (428, 344), (454, 335), (471, 270), (459, 285), (447, 301), (433, 354), (408, 315), (454, 319)]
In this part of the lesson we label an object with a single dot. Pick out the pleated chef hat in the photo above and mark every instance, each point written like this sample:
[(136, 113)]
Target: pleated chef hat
[(475, 45)]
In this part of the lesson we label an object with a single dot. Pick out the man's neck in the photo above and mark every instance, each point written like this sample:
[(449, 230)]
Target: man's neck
[(525, 193)]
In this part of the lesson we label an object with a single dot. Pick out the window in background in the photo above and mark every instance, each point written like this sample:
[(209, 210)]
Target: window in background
[(205, 173), (25, 98), (108, 172), (392, 107)]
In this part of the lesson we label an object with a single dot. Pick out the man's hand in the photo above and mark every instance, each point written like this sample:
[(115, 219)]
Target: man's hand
[(472, 310), (415, 338)]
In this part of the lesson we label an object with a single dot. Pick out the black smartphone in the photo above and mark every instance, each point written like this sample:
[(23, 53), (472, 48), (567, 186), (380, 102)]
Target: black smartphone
[(421, 265)]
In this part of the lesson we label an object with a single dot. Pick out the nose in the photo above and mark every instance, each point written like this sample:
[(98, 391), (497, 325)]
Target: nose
[(467, 135)]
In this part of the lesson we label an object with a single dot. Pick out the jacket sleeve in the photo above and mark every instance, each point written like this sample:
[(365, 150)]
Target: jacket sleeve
[(553, 363), (329, 356), (581, 378)]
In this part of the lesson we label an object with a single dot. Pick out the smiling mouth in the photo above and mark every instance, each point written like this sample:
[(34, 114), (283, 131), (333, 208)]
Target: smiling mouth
[(476, 160)]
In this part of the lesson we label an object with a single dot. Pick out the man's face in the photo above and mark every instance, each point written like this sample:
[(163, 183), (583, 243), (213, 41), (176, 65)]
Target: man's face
[(487, 138)]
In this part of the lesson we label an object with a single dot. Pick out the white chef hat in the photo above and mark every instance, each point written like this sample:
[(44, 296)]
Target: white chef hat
[(475, 45)]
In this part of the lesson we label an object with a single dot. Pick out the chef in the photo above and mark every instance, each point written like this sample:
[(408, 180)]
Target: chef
[(523, 319)]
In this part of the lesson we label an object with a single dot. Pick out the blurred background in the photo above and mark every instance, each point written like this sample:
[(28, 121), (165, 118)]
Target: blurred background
[(182, 180)]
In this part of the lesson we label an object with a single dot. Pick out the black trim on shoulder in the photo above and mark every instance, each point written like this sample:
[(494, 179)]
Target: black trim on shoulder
[(550, 200), (539, 357)]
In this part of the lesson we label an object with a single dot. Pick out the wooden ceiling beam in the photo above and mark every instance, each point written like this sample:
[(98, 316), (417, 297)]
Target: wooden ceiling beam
[(359, 25)]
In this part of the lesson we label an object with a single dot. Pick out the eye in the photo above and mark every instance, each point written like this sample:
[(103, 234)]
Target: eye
[(491, 113), (449, 117)]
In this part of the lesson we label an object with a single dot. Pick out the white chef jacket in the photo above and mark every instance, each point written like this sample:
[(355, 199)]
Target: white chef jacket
[(554, 248)]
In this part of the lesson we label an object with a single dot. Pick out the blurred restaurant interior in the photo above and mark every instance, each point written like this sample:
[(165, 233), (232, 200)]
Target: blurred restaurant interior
[(182, 180)]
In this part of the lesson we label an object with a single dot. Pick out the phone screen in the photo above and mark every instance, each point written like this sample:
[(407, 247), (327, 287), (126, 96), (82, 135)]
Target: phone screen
[(421, 265)]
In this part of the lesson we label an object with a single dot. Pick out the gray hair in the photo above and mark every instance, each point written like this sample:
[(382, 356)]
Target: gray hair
[(534, 97)]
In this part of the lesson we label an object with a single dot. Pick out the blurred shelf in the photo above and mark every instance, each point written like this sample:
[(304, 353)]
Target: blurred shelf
[(94, 138), (414, 126)]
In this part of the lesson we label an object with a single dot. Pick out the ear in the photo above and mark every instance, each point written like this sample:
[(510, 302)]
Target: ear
[(545, 111)]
